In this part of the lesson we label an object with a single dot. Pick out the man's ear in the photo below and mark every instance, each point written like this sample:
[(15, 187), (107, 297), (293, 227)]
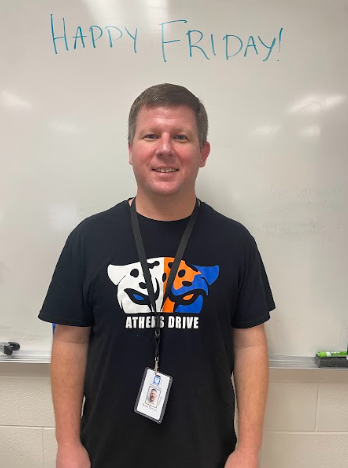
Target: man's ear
[(130, 155), (205, 150)]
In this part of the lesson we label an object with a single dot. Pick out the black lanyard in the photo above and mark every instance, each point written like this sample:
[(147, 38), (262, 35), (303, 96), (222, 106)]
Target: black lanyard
[(142, 257)]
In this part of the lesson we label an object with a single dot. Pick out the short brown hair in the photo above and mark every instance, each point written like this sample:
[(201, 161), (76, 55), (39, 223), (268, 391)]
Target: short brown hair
[(169, 95)]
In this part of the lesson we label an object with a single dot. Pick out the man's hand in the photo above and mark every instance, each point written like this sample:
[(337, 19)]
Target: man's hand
[(73, 456), (242, 459)]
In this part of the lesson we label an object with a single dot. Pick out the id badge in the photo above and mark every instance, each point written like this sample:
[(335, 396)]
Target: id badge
[(153, 395)]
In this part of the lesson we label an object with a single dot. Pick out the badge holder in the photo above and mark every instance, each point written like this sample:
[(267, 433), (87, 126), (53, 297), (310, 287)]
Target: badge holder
[(153, 395)]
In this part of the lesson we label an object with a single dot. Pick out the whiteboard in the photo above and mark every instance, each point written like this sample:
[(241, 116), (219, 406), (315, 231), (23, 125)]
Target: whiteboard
[(273, 77)]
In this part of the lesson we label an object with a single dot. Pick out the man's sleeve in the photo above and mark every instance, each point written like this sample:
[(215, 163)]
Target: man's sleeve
[(255, 299), (66, 302)]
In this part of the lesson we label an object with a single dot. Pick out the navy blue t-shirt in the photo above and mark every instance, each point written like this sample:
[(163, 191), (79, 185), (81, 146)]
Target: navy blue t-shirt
[(98, 282)]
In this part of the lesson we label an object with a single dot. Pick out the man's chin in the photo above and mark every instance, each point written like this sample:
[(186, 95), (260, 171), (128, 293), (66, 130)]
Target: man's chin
[(165, 191)]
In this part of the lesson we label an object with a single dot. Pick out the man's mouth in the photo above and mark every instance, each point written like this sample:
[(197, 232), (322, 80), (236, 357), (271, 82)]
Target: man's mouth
[(165, 169)]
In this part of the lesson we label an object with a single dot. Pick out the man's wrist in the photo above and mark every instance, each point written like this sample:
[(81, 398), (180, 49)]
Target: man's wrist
[(71, 442), (248, 448)]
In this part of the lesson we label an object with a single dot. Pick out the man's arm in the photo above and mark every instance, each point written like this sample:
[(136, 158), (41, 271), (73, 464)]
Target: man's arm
[(68, 368), (251, 382)]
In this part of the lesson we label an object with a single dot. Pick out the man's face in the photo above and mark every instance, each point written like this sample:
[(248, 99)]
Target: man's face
[(153, 395), (165, 153)]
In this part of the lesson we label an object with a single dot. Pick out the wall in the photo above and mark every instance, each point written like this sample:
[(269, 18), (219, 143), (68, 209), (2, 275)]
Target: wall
[(278, 133), (306, 423)]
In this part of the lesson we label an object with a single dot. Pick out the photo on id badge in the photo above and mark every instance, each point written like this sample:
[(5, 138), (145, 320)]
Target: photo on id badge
[(152, 396)]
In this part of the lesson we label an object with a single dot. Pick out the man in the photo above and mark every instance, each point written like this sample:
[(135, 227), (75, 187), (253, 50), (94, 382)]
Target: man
[(152, 396), (211, 323)]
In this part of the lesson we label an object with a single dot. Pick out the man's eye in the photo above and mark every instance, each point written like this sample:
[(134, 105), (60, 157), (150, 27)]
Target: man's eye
[(181, 137), (150, 136)]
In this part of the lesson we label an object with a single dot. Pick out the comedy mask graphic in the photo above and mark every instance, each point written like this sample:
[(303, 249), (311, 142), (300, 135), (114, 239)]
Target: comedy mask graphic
[(187, 294)]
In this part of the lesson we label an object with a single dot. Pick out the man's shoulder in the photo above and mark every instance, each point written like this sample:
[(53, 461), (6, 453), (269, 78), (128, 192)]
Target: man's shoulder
[(220, 222), (98, 223)]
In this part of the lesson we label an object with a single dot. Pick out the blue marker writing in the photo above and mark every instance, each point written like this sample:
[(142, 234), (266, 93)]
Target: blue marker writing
[(55, 38), (226, 38), (191, 46), (80, 36), (270, 47), (212, 43), (168, 42), (280, 38), (109, 33), (94, 39), (134, 38), (251, 43)]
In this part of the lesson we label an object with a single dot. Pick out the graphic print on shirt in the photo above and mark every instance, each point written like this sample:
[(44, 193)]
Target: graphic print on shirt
[(187, 294)]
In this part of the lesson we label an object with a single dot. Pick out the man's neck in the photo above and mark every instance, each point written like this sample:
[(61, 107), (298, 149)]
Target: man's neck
[(165, 208)]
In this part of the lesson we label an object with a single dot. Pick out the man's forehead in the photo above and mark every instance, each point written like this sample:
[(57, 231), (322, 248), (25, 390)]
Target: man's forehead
[(149, 115)]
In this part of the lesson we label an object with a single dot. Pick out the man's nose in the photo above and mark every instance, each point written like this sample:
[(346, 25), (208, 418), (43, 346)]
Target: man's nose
[(165, 146)]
